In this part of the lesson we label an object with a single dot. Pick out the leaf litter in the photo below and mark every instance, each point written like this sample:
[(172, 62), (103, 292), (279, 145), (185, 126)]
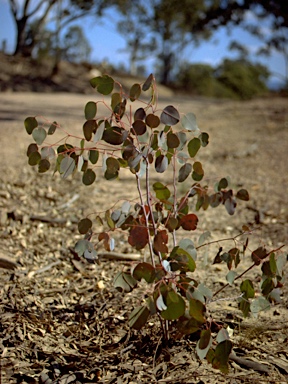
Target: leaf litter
[(61, 322)]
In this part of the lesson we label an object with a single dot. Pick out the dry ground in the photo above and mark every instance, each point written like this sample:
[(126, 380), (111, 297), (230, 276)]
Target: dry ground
[(61, 322)]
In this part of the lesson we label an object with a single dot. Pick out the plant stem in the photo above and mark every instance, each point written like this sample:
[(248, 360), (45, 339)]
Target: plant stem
[(146, 220)]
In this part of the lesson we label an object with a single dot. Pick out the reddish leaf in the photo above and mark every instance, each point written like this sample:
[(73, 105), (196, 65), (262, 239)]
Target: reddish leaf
[(189, 222), (258, 255), (138, 237), (160, 242)]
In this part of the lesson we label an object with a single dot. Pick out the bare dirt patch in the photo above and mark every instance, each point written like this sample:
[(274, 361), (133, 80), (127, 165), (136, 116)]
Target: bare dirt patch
[(60, 319)]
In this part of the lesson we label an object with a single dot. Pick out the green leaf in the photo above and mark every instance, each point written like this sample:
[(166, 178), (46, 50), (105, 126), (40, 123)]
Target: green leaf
[(30, 124), (81, 246), (135, 92), (39, 135), (89, 127), (204, 343), (34, 158), (193, 147), (84, 226), (247, 288), (114, 135), (161, 163), (181, 260), (67, 167), (52, 128), (244, 306), (112, 168), (198, 171), (88, 177), (43, 165), (189, 122), (47, 152), (161, 191), (90, 110), (138, 318), (223, 184), (124, 282), (148, 82), (32, 148), (242, 194), (104, 84), (267, 286), (204, 138), (188, 325), (175, 306), (221, 357), (230, 277), (170, 116), (259, 304), (184, 172), (144, 271), (116, 99), (197, 310), (204, 237), (93, 156)]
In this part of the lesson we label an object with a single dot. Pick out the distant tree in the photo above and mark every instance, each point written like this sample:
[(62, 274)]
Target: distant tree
[(73, 46), (175, 24), (31, 15), (245, 79), (236, 79)]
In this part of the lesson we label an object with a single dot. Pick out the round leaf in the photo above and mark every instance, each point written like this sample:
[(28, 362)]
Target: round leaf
[(152, 120), (139, 127), (84, 226), (43, 165), (139, 317), (242, 194), (32, 148), (135, 92), (89, 128), (189, 222), (67, 166), (88, 177), (52, 128), (138, 237), (173, 140), (90, 110), (161, 164), (148, 82), (30, 124), (193, 147), (144, 271), (39, 135), (175, 306), (139, 114), (162, 192), (34, 158), (184, 172), (169, 116), (104, 84), (189, 122)]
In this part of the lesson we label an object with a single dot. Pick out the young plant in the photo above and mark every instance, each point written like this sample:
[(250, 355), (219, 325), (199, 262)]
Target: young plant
[(146, 141)]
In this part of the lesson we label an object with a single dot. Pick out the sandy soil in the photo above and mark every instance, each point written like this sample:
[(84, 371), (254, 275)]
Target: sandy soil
[(68, 313)]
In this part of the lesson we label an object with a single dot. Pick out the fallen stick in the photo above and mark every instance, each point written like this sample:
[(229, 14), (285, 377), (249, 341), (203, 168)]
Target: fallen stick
[(249, 363)]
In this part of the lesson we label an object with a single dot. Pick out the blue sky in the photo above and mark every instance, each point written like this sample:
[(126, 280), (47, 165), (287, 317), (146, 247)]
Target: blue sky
[(108, 44)]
